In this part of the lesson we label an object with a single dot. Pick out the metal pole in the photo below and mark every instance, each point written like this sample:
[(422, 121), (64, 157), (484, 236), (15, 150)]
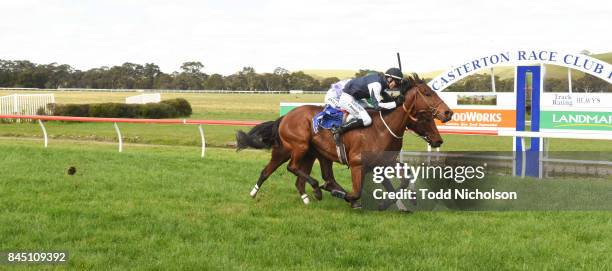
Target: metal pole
[(203, 140), (42, 126), (119, 136)]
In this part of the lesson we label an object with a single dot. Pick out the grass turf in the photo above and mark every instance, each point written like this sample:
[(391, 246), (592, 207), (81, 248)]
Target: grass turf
[(161, 207)]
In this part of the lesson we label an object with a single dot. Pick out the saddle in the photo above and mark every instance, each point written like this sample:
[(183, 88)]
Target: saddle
[(331, 118)]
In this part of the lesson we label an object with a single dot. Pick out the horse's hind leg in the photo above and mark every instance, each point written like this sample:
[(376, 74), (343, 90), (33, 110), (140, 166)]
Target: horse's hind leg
[(295, 167), (279, 156), (300, 182)]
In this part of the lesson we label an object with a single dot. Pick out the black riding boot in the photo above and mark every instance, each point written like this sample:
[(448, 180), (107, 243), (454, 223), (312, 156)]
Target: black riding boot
[(352, 124)]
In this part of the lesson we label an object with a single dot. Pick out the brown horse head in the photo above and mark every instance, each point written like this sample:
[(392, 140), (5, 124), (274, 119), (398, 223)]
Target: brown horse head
[(425, 127), (421, 98)]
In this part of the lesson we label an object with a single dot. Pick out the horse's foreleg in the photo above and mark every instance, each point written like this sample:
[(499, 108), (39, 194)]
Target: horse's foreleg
[(356, 178), (279, 156), (327, 173), (384, 204)]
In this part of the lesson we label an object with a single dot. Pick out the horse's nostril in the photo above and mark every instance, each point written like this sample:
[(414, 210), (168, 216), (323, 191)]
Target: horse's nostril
[(446, 113)]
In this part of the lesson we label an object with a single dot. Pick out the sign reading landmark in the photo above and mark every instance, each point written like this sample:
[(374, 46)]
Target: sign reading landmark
[(576, 120)]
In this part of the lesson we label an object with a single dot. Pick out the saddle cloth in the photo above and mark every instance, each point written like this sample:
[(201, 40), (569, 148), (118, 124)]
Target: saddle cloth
[(328, 118)]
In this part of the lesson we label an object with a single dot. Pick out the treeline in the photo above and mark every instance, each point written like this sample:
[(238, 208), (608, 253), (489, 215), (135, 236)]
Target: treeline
[(23, 73)]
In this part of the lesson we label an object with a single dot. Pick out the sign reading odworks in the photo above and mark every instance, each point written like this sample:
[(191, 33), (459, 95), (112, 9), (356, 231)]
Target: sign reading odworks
[(493, 118)]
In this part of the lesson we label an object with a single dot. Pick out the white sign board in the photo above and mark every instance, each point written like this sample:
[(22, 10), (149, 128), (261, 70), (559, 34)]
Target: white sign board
[(579, 62)]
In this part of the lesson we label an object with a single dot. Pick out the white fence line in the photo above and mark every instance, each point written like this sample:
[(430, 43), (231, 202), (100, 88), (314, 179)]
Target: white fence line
[(26, 104)]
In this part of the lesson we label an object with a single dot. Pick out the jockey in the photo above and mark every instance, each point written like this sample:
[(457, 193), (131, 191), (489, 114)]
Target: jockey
[(361, 88)]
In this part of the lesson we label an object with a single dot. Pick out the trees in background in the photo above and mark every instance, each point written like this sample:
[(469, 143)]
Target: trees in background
[(23, 73)]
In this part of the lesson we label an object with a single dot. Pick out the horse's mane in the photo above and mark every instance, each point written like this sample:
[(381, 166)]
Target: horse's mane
[(410, 82)]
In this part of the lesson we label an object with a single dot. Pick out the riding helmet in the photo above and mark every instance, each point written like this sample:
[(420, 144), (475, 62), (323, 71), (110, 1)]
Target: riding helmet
[(394, 73)]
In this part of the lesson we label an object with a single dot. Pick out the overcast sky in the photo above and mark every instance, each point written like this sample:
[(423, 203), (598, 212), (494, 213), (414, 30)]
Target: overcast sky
[(311, 34)]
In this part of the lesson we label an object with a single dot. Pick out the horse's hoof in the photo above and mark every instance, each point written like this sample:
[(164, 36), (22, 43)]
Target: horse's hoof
[(305, 199), (400, 206), (318, 194), (383, 205), (355, 205), (254, 191)]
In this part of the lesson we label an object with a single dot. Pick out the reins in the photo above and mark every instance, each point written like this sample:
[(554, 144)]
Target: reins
[(387, 126)]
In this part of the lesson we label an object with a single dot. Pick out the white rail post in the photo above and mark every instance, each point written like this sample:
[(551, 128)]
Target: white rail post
[(119, 136), (493, 80), (569, 79), (42, 126), (524, 155), (513, 156), (15, 105), (203, 140)]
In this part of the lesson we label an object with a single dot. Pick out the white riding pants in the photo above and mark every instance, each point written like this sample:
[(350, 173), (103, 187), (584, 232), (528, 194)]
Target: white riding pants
[(355, 110)]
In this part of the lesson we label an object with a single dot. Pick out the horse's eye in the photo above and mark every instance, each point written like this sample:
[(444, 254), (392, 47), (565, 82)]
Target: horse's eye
[(427, 94)]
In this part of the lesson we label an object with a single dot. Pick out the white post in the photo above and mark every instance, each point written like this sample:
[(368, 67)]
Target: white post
[(524, 155), (15, 105), (203, 140), (42, 125), (119, 136), (492, 80), (513, 156), (569, 79), (47, 109)]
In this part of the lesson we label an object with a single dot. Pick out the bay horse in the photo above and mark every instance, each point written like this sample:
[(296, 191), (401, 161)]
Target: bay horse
[(425, 128), (291, 137)]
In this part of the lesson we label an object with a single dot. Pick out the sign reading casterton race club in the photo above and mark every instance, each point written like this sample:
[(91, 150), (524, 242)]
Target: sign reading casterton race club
[(579, 62)]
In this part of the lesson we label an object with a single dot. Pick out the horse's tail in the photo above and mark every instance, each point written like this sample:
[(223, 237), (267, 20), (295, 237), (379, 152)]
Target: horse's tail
[(262, 136)]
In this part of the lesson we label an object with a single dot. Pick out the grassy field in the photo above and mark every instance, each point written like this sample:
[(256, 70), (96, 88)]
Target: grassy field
[(161, 208)]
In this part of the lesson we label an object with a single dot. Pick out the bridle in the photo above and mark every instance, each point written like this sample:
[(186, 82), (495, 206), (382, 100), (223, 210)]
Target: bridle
[(433, 109)]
